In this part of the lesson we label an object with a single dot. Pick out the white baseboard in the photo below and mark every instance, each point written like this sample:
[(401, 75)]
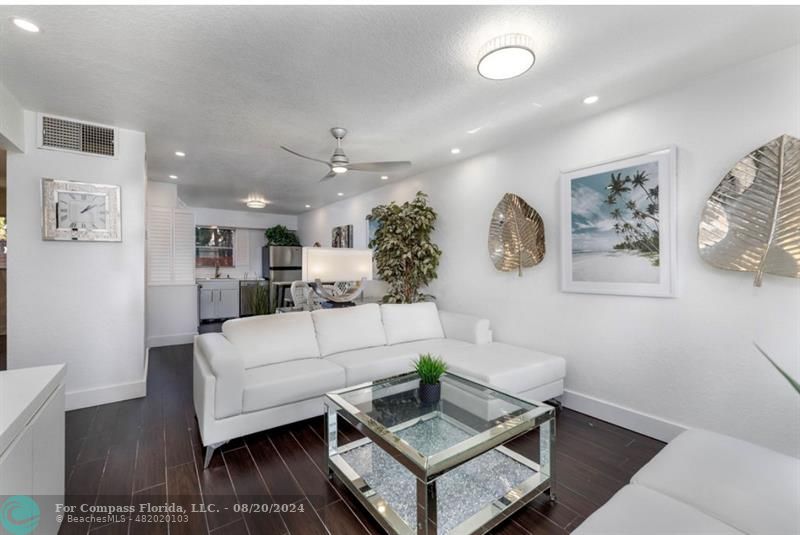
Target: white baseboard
[(171, 339), (646, 424), (79, 399)]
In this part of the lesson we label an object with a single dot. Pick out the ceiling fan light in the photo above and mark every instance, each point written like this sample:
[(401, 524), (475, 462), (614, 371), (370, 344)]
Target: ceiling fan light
[(507, 56), (338, 169)]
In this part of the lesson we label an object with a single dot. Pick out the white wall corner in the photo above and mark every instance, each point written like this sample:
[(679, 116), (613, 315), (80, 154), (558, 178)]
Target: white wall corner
[(646, 424), (89, 397), (12, 121)]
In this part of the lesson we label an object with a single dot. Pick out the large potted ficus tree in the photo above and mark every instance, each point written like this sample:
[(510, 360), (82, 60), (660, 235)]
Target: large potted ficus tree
[(405, 257)]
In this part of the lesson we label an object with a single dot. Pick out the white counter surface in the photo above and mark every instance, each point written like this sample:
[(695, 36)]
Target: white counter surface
[(22, 392)]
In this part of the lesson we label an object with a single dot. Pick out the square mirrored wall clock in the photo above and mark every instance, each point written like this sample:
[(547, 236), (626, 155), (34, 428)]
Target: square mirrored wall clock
[(80, 211)]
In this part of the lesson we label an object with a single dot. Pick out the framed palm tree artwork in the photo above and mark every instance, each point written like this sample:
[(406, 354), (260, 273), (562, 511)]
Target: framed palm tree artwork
[(618, 226)]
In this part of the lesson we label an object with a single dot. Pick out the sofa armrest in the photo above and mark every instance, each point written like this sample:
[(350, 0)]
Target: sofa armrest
[(466, 328), (227, 366)]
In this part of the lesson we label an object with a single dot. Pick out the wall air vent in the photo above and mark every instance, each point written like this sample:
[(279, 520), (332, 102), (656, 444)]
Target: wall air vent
[(76, 136)]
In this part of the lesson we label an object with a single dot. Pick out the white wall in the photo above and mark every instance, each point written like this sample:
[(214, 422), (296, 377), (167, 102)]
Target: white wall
[(687, 361), (12, 121), (242, 219), (171, 316), (77, 302)]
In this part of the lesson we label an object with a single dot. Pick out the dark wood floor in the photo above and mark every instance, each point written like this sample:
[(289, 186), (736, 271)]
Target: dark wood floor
[(148, 450)]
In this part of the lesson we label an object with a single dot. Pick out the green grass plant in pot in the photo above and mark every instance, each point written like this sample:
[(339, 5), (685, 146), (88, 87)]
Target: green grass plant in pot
[(430, 369)]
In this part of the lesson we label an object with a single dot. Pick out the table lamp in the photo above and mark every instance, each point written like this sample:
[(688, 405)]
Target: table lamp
[(330, 264)]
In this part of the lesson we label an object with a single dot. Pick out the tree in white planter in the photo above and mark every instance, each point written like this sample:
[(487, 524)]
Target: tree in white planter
[(405, 256)]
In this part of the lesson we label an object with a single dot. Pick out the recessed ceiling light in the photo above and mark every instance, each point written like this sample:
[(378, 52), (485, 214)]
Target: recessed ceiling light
[(455, 150), (474, 130), (384, 177), (340, 194), (308, 206), (26, 25), (180, 153), (507, 56), (338, 169), (591, 99), (174, 177)]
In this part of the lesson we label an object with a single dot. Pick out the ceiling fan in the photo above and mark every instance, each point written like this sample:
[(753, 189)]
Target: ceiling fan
[(340, 163)]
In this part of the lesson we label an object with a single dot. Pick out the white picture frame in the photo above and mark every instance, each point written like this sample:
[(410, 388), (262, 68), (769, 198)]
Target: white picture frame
[(604, 251)]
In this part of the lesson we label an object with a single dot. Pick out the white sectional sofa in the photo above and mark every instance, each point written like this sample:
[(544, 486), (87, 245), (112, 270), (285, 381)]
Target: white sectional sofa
[(704, 482), (266, 371)]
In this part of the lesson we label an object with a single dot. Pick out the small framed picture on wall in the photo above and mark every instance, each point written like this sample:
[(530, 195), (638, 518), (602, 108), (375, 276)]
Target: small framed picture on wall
[(618, 226)]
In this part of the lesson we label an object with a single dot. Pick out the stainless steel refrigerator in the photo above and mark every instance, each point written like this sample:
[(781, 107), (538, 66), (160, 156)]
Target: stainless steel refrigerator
[(281, 265)]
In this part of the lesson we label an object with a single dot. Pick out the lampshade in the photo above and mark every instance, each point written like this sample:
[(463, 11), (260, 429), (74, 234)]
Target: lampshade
[(329, 264)]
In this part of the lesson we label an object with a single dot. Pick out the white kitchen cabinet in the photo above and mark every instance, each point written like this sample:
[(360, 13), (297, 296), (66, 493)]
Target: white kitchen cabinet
[(207, 311), (228, 305), (32, 438), (219, 299)]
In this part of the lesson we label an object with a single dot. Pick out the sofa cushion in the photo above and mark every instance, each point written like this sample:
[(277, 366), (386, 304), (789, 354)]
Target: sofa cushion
[(511, 368), (263, 340), (371, 364), (409, 322), (752, 488), (636, 510), (288, 382), (344, 329)]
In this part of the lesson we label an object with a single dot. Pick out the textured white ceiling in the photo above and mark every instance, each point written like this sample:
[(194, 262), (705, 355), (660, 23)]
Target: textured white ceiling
[(228, 85)]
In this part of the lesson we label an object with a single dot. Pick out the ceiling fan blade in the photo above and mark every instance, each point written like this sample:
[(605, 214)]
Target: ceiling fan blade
[(287, 149), (330, 175), (377, 167)]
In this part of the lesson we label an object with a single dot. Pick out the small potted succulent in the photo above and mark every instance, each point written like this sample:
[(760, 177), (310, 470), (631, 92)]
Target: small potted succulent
[(429, 368)]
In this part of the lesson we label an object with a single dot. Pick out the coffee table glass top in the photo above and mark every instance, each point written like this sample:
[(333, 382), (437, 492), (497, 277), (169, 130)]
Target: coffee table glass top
[(469, 418)]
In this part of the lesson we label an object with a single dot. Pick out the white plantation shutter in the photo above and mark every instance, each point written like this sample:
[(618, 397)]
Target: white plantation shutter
[(170, 246), (159, 246), (183, 247)]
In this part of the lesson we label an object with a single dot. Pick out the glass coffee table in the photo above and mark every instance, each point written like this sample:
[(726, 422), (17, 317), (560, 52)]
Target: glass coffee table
[(441, 467)]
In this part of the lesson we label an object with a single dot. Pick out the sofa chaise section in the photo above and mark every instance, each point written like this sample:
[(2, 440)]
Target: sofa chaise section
[(266, 371), (704, 482)]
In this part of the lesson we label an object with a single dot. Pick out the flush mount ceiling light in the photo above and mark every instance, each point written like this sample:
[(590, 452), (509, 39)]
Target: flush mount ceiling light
[(340, 194), (180, 154), (507, 56), (174, 177), (455, 150), (26, 25), (591, 99), (255, 202), (308, 206), (384, 177)]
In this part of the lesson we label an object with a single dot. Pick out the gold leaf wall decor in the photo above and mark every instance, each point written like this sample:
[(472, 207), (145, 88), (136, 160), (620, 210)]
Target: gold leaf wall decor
[(516, 235), (752, 220)]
